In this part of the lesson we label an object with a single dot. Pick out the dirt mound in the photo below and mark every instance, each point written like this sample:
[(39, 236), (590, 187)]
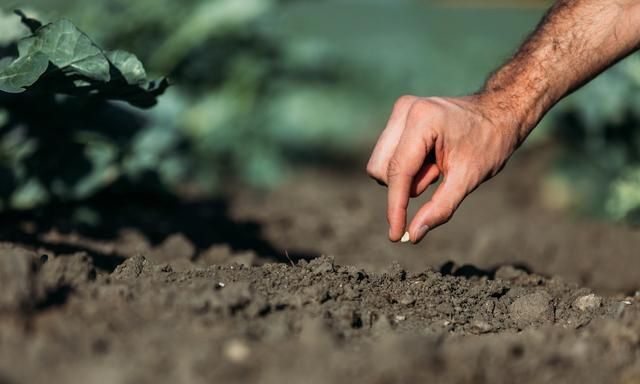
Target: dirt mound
[(504, 222), (186, 291), (311, 322)]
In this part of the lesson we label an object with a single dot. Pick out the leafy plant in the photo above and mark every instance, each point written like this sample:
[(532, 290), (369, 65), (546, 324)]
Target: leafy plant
[(249, 104), (245, 107), (60, 58), (59, 137), (599, 135)]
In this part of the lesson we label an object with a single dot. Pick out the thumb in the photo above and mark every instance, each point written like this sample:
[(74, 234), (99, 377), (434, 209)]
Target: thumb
[(438, 210)]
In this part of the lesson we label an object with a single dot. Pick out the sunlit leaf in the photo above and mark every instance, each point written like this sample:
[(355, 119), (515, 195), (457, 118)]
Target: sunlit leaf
[(59, 58), (68, 49), (129, 66), (16, 75)]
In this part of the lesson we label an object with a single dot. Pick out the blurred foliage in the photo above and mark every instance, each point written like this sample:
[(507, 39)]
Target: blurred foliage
[(264, 85), (58, 137), (245, 106), (58, 58), (598, 129)]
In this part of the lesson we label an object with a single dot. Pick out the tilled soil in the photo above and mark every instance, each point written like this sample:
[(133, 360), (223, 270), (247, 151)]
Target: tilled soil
[(312, 322), (505, 222), (506, 292)]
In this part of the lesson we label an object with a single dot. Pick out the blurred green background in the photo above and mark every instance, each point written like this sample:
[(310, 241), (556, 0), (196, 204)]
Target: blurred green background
[(263, 87)]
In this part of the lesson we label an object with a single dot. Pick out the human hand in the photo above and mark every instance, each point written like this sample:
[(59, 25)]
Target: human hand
[(465, 140)]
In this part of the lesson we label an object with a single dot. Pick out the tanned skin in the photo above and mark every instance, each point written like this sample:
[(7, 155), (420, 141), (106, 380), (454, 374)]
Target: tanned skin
[(468, 140)]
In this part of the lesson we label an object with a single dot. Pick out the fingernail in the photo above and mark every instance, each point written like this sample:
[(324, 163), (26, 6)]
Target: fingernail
[(421, 233), (391, 235)]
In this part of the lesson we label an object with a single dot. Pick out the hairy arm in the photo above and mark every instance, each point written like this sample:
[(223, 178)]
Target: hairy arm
[(468, 140), (576, 40)]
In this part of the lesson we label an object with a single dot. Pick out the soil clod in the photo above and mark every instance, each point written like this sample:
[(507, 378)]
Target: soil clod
[(532, 308)]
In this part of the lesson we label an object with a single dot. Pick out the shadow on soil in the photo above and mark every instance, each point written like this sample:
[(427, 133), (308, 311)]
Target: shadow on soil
[(469, 271), (203, 223)]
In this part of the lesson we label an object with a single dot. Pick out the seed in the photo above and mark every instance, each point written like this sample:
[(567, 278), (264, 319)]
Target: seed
[(405, 238), (236, 351)]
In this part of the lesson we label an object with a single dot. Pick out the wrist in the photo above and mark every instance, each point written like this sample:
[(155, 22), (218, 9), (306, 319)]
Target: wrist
[(515, 111)]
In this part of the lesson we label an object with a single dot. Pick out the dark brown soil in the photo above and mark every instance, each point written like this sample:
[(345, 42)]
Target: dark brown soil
[(201, 292), (503, 223)]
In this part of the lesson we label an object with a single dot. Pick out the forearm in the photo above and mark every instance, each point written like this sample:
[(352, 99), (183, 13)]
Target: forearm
[(576, 41)]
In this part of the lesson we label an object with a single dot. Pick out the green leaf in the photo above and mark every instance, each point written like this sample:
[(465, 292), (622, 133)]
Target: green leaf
[(5, 62), (79, 67), (16, 75), (129, 66), (68, 49)]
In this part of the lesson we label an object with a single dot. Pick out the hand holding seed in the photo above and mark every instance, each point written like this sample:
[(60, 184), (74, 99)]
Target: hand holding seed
[(463, 140)]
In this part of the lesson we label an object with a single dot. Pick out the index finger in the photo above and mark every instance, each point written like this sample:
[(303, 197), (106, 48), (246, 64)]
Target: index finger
[(405, 164), (388, 140)]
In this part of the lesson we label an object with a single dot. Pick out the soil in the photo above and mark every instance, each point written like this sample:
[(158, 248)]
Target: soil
[(301, 285)]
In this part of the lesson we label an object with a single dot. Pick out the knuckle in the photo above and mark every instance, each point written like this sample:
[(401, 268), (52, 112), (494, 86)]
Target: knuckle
[(422, 106), (446, 213), (394, 169), (426, 108), (446, 217), (374, 171), (404, 102), (418, 112)]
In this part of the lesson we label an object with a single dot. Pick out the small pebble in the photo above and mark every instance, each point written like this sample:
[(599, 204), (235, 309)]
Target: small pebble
[(407, 300), (481, 326), (587, 302)]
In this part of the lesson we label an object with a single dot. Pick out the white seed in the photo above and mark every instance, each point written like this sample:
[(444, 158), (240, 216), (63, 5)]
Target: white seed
[(236, 351), (405, 238)]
